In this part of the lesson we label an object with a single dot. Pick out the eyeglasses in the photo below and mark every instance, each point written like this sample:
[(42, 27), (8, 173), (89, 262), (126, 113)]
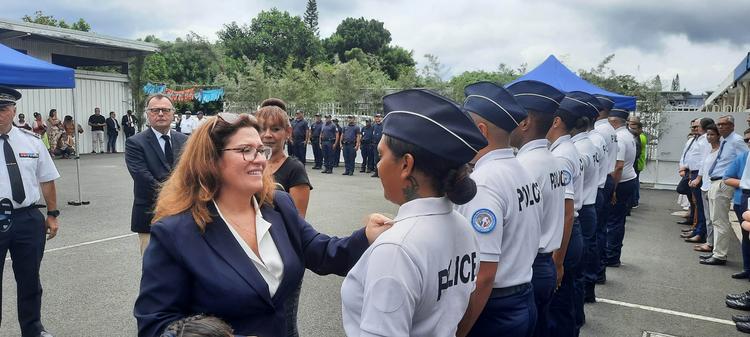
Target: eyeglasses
[(160, 110), (693, 126), (747, 140), (250, 153), (226, 117)]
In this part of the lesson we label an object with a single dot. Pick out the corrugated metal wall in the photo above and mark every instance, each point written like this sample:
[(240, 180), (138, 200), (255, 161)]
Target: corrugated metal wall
[(109, 92)]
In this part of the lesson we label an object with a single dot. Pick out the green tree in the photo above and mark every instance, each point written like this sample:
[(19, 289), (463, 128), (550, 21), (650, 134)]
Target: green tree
[(393, 60), (431, 76), (49, 20), (311, 17), (502, 76), (247, 87), (368, 35), (676, 83), (272, 37)]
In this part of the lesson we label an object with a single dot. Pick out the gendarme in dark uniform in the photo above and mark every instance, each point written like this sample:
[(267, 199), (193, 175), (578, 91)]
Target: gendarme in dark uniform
[(26, 173), (368, 148), (337, 146), (350, 141), (329, 136), (315, 130), (377, 133), (300, 134)]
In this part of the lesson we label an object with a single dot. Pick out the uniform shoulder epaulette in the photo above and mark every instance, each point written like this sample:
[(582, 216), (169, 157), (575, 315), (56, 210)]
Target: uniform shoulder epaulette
[(29, 132)]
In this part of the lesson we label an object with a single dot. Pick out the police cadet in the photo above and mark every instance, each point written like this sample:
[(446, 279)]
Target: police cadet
[(337, 145), (606, 185), (561, 311), (541, 101), (377, 133), (315, 130), (367, 148), (505, 214), (26, 169), (416, 278), (350, 142), (587, 112), (300, 136), (624, 181), (329, 136)]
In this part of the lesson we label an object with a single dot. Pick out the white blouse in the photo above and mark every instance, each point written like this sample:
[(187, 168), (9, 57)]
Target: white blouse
[(269, 264)]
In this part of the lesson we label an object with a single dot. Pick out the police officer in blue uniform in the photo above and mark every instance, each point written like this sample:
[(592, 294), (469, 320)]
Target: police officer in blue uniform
[(350, 142), (300, 136), (329, 136), (26, 173), (367, 148), (541, 102), (315, 142), (337, 146), (377, 133), (505, 214)]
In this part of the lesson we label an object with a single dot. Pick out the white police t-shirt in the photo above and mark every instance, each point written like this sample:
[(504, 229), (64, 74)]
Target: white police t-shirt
[(605, 129), (590, 160), (564, 149), (542, 165), (505, 214), (601, 156), (416, 278), (34, 163), (626, 153)]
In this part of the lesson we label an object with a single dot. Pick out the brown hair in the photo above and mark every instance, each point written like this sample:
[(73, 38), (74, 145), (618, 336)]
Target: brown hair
[(196, 179), (272, 115), (274, 102)]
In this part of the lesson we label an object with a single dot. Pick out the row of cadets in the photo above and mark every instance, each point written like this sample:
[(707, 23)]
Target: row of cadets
[(505, 214), (541, 102), (561, 312)]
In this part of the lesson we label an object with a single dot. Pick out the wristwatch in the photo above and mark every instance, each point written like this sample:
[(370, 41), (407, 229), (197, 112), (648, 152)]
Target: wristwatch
[(54, 213)]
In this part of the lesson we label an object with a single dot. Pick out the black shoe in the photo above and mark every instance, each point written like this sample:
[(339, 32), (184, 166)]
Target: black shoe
[(368, 171), (361, 171), (685, 222), (316, 167), (345, 174), (327, 171), (741, 275), (375, 175), (738, 296), (711, 261), (351, 173), (740, 304), (741, 318), (93, 152), (613, 264), (705, 256), (743, 327)]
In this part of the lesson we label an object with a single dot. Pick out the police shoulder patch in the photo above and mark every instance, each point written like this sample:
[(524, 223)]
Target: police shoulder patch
[(483, 220), (29, 132), (567, 177)]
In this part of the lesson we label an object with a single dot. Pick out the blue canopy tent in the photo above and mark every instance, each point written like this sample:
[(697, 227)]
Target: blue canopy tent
[(18, 70), (554, 73)]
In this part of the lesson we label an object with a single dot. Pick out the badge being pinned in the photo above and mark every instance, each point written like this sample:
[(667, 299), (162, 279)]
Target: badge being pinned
[(483, 220)]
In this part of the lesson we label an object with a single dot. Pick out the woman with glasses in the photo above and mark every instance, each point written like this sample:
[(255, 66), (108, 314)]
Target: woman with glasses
[(704, 233), (226, 244)]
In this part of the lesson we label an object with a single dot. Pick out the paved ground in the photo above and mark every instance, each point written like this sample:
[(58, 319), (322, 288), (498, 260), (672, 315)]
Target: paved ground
[(90, 287)]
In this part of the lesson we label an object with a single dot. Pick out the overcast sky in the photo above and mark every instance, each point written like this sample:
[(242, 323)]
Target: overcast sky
[(701, 40)]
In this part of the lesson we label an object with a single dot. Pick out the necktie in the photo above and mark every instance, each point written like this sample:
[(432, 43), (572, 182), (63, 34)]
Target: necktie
[(16, 182), (168, 150), (711, 171)]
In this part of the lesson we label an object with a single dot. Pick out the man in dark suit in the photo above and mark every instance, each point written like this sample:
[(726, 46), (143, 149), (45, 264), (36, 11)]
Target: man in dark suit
[(128, 124), (150, 156), (113, 129)]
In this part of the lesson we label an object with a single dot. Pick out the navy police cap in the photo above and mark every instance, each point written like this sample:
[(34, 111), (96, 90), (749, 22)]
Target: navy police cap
[(432, 122), (494, 104), (606, 102), (576, 107), (536, 96), (619, 112), (9, 96), (593, 103)]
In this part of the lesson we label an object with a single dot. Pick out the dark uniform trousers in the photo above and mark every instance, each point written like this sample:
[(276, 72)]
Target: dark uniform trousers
[(511, 316), (699, 217), (544, 280), (368, 161), (26, 239), (603, 207), (738, 210), (586, 278), (616, 221), (336, 155), (349, 155), (562, 321), (317, 152), (300, 150), (328, 154)]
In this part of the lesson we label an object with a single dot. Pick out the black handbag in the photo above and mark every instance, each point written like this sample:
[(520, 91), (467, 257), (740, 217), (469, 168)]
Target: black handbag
[(682, 186)]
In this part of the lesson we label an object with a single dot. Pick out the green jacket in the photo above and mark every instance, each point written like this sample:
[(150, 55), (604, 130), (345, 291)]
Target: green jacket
[(640, 162)]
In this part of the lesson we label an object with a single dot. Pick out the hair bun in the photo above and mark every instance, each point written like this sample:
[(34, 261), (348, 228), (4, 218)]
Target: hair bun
[(459, 187), (274, 102)]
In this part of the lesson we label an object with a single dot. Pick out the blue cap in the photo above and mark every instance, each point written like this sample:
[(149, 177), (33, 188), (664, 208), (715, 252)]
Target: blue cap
[(594, 106), (606, 102), (536, 96), (619, 112), (494, 104), (9, 96), (432, 122)]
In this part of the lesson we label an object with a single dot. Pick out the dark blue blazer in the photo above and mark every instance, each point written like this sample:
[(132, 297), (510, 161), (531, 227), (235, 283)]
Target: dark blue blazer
[(186, 272), (148, 166)]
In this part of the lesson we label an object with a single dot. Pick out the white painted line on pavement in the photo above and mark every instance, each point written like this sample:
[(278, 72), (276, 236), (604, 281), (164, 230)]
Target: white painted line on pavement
[(666, 311), (86, 243)]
